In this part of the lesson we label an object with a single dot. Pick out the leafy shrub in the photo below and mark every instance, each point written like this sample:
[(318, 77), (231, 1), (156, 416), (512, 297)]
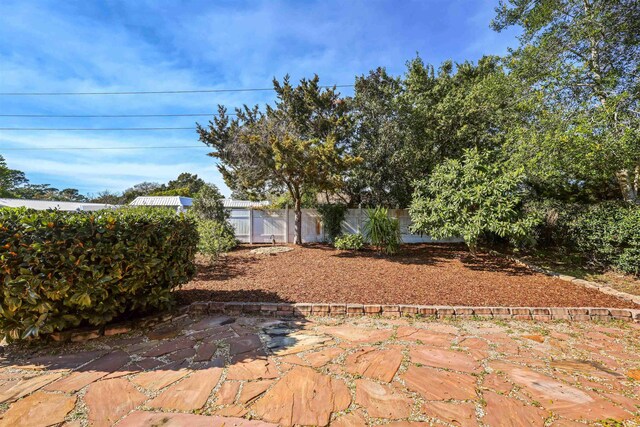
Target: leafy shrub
[(64, 269), (466, 198), (215, 238), (382, 231), (351, 242), (332, 216), (605, 234), (609, 234), (207, 204)]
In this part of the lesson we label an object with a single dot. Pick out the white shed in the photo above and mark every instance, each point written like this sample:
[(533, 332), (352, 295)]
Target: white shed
[(179, 203)]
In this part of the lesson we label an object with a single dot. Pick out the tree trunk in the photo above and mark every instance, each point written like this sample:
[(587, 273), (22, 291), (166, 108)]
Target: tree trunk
[(629, 182), (298, 222)]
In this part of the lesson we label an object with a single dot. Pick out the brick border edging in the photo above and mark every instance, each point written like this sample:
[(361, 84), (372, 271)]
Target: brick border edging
[(299, 310), (605, 289), (400, 310)]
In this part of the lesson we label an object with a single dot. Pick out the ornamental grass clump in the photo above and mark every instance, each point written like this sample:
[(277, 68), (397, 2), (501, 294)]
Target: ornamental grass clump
[(67, 269), (382, 231)]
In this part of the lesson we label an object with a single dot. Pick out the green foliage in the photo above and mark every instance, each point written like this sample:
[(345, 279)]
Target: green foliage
[(179, 191), (284, 200), (350, 242), (383, 139), (382, 231), (604, 234), (406, 126), (215, 238), (207, 204), (297, 146), (608, 234), (10, 179), (64, 269), (578, 61), (14, 184), (185, 185), (332, 216), (468, 198), (216, 235)]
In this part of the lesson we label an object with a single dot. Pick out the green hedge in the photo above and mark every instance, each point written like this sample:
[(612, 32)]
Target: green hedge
[(65, 269), (607, 234)]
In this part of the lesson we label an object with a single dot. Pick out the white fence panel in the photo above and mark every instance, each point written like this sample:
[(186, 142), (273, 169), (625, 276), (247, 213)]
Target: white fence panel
[(311, 226), (268, 225), (240, 220), (352, 223), (261, 226)]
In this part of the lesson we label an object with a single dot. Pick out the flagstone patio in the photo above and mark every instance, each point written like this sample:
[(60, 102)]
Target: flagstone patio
[(251, 371)]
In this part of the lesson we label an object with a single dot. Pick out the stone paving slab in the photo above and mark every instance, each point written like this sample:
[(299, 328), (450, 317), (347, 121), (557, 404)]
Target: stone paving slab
[(254, 371)]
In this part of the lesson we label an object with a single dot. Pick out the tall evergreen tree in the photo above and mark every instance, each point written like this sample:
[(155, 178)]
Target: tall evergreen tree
[(295, 146)]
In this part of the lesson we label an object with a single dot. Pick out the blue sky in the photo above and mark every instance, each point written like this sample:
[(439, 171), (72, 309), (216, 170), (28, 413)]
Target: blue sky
[(71, 46)]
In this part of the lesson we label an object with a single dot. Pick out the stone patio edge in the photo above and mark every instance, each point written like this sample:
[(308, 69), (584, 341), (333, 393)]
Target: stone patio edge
[(300, 310)]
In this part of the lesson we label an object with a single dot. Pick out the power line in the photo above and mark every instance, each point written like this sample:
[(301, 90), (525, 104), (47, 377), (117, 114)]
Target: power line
[(99, 129), (103, 148), (114, 115), (150, 92)]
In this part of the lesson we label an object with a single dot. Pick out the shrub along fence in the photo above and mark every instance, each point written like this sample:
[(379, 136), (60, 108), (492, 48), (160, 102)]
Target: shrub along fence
[(606, 234), (65, 269)]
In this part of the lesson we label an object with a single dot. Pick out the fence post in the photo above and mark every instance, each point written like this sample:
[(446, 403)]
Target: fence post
[(250, 226), (286, 224)]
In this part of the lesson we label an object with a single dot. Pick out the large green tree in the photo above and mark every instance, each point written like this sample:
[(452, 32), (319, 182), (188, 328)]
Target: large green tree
[(581, 62), (296, 146), (460, 106), (405, 127), (391, 157)]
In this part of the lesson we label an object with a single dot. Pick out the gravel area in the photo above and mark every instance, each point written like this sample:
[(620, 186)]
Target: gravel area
[(430, 274)]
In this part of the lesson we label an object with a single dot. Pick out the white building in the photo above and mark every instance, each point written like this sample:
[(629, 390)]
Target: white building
[(42, 205), (180, 204)]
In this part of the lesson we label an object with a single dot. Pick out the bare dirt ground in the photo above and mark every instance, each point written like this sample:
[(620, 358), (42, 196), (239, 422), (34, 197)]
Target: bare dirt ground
[(429, 274)]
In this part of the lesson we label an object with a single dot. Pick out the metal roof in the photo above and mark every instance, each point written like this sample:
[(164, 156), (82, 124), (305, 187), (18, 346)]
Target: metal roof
[(231, 203), (186, 202), (54, 204), (161, 201)]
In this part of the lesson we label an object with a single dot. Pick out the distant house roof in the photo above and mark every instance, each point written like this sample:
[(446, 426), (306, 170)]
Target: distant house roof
[(175, 201), (186, 202), (238, 204), (42, 205)]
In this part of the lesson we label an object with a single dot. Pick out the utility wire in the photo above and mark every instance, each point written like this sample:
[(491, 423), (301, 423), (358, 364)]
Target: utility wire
[(103, 148), (99, 129), (151, 92), (114, 115)]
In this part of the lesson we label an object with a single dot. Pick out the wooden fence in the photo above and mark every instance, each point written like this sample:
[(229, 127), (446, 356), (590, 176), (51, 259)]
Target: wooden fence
[(261, 226)]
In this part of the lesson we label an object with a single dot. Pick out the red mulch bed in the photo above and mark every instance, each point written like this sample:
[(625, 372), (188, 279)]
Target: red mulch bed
[(429, 274)]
